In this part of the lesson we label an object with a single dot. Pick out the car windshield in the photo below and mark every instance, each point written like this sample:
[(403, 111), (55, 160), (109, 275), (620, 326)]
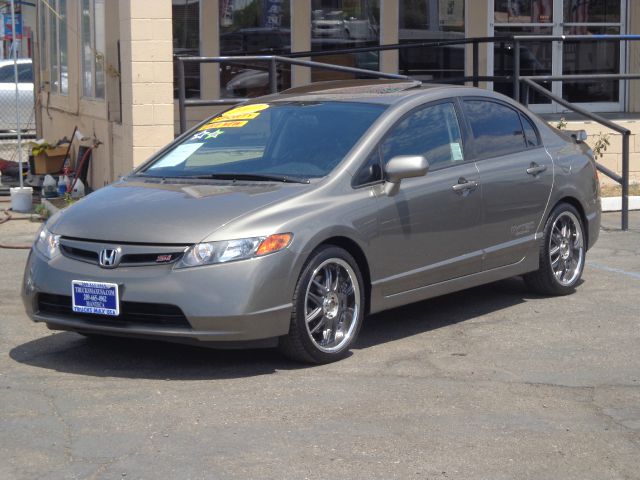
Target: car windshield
[(292, 139)]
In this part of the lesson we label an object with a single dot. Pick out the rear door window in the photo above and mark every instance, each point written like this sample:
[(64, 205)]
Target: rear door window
[(496, 128)]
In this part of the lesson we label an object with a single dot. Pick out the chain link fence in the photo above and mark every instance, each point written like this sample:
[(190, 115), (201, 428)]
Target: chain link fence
[(15, 117)]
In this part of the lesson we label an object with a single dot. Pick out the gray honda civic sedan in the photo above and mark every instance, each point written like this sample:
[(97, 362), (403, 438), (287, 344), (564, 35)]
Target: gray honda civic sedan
[(285, 221)]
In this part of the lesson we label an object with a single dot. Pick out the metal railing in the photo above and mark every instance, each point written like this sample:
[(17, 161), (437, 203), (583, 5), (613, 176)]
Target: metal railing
[(623, 179), (514, 42), (272, 62), (530, 82)]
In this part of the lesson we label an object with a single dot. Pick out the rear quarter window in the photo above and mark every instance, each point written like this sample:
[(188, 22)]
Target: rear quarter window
[(530, 135)]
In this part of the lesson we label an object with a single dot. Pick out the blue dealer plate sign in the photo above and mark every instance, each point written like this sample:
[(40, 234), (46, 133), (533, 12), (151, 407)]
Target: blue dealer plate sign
[(95, 297)]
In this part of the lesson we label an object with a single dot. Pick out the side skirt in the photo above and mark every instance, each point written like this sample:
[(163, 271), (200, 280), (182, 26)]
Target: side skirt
[(379, 302)]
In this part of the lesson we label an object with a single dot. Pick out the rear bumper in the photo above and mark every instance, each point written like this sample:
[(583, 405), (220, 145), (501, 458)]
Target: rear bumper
[(593, 227), (236, 302)]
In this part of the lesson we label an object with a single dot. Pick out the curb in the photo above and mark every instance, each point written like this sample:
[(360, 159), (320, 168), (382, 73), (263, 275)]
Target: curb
[(614, 204)]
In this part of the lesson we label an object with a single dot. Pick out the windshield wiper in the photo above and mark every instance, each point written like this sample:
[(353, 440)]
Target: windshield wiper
[(259, 177)]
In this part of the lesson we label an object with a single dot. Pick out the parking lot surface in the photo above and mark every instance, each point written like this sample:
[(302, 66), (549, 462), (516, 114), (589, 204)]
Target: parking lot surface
[(493, 382)]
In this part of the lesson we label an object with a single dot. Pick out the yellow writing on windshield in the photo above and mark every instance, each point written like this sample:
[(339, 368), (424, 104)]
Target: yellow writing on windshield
[(236, 117)]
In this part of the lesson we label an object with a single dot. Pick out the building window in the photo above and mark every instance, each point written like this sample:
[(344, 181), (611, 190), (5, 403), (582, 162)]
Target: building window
[(253, 27), (572, 17), (339, 24), (92, 34), (186, 43), (53, 45), (594, 17), (431, 20), (518, 11)]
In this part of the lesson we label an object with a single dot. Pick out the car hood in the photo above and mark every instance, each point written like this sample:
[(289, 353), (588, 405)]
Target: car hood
[(156, 212)]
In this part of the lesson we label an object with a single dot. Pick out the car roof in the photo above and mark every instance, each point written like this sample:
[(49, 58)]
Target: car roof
[(386, 92)]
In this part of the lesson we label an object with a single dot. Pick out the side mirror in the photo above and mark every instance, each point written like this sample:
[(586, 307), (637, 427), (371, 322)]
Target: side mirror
[(403, 166), (580, 136)]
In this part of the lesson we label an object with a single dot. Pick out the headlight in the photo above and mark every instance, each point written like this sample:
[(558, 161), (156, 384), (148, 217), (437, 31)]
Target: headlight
[(47, 243), (232, 250)]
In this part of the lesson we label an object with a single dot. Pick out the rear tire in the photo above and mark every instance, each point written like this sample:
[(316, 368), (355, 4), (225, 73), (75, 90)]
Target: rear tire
[(328, 308), (562, 254)]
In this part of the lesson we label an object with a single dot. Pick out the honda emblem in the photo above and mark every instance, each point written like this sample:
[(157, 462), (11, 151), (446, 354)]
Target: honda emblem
[(109, 257)]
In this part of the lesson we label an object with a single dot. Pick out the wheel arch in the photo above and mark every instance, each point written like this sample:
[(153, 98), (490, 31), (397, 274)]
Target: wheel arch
[(575, 203), (352, 247)]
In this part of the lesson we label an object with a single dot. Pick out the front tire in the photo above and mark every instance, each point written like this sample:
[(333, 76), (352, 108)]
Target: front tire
[(328, 308), (562, 254)]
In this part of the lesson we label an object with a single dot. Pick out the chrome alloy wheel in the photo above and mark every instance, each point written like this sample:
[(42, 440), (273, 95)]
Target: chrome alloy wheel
[(566, 248), (332, 305)]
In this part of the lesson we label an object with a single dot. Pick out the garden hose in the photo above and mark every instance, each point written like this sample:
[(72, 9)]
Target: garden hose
[(7, 217)]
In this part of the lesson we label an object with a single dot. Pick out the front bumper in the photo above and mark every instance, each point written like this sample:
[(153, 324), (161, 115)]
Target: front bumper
[(240, 301)]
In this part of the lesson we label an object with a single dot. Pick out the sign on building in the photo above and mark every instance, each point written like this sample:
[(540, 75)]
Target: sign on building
[(7, 29)]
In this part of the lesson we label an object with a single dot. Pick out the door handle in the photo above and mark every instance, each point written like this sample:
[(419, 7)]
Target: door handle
[(534, 169), (464, 185)]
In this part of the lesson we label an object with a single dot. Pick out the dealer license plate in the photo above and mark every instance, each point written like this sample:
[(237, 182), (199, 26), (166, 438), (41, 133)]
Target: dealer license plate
[(95, 297)]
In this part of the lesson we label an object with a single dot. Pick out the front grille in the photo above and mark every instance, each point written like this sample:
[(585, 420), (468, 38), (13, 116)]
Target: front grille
[(131, 313), (79, 254), (131, 258)]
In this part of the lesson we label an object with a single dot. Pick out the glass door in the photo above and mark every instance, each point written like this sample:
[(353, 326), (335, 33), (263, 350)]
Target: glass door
[(562, 17), (524, 17), (593, 17)]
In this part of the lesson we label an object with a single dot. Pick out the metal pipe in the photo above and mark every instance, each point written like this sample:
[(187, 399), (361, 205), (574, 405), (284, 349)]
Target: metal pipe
[(394, 46), (377, 48), (441, 43), (575, 108), (570, 38), (182, 107), (273, 76), (292, 61), (211, 103), (476, 68), (15, 73), (525, 93), (582, 77), (625, 181), (223, 59), (609, 173), (340, 68), (516, 71)]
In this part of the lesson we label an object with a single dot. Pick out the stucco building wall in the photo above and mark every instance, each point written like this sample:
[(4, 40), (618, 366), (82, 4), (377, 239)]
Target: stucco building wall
[(145, 122)]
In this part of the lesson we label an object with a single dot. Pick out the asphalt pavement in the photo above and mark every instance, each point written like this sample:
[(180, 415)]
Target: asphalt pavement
[(490, 383)]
